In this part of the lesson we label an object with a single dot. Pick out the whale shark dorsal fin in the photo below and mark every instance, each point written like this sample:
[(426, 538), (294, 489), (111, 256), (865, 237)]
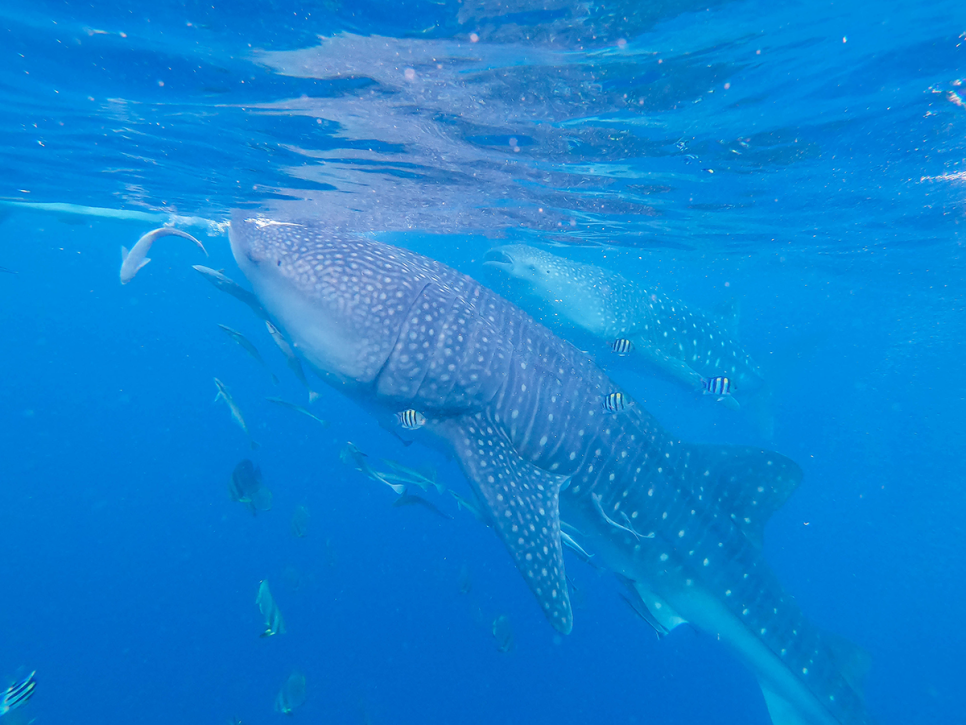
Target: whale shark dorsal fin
[(747, 484), (522, 502), (853, 661)]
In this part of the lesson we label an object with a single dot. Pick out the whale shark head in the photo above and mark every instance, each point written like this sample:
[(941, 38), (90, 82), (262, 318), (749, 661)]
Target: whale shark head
[(528, 264), (581, 293), (341, 301)]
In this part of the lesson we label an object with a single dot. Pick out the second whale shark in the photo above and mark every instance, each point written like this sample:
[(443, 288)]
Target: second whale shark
[(521, 410), (689, 345)]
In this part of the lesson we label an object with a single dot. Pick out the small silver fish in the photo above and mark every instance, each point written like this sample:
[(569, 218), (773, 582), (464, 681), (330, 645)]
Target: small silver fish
[(134, 260), (614, 403), (236, 414), (18, 693), (462, 503), (230, 286), (248, 347), (274, 624), (294, 364), (622, 346), (567, 540), (423, 478), (352, 455), (411, 419), (639, 606), (299, 409)]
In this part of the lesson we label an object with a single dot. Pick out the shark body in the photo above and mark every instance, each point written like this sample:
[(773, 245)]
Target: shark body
[(521, 411), (689, 345)]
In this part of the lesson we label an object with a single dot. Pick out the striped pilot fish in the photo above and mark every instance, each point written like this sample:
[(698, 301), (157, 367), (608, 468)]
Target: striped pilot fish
[(722, 387), (411, 419), (615, 402), (18, 693), (622, 346)]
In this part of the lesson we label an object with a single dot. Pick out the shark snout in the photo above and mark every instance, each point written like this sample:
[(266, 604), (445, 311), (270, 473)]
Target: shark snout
[(499, 258), (246, 246), (241, 243)]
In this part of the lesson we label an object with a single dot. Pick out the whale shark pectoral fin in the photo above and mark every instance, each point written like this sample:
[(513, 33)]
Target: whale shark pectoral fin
[(142, 265), (522, 502), (853, 661), (677, 369), (747, 484), (124, 252), (729, 402)]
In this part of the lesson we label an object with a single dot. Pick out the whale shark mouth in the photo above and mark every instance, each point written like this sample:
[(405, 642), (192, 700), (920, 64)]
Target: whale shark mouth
[(499, 259)]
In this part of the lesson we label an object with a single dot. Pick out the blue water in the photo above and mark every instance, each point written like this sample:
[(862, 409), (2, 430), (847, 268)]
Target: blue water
[(807, 159)]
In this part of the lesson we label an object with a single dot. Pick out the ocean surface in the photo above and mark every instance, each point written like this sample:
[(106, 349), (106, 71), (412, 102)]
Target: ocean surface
[(805, 159)]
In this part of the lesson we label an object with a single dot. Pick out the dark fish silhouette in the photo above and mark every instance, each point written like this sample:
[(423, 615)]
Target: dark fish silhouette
[(411, 499), (245, 486)]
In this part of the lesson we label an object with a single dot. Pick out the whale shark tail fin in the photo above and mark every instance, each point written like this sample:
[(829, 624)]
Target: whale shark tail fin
[(851, 661), (522, 503)]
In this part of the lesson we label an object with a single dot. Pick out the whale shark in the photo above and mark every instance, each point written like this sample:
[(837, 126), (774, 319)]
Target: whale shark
[(521, 410), (689, 345)]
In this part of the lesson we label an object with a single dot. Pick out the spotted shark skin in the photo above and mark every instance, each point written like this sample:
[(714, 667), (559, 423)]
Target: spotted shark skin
[(686, 343), (521, 411)]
